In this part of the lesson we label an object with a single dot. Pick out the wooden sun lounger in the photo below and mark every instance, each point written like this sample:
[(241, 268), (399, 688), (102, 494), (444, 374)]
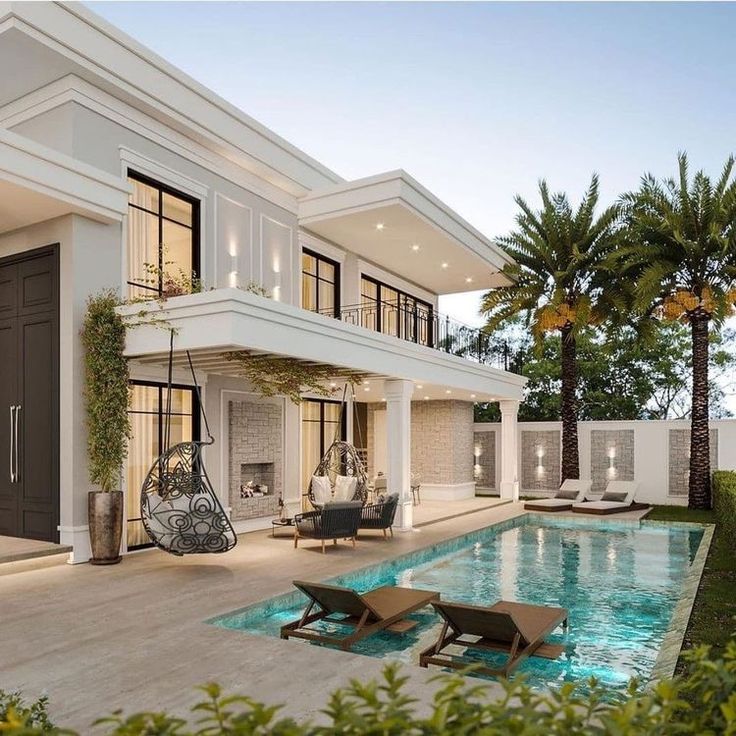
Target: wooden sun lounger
[(518, 629), (382, 609)]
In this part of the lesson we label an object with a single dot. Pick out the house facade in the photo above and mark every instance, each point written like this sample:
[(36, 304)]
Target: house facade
[(118, 171)]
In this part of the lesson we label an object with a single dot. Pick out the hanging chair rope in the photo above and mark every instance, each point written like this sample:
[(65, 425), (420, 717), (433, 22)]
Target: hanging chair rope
[(179, 509)]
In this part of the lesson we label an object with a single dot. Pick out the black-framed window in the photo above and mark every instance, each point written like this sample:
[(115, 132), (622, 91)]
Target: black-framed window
[(322, 421), (147, 414), (320, 283), (389, 310), (163, 232)]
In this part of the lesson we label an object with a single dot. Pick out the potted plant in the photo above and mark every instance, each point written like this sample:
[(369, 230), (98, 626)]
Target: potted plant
[(108, 424)]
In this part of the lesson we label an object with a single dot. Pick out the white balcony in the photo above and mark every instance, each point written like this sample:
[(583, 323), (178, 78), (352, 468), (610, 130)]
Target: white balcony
[(212, 323)]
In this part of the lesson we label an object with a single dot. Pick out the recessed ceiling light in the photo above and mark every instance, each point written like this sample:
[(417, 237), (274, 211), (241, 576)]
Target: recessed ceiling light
[(468, 279), (366, 388), (366, 383), (333, 384), (445, 265), (472, 396), (426, 398), (420, 386), (383, 399), (447, 391), (380, 226), (415, 247)]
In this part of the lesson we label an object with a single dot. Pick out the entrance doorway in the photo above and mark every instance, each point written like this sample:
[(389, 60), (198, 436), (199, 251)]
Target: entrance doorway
[(29, 395)]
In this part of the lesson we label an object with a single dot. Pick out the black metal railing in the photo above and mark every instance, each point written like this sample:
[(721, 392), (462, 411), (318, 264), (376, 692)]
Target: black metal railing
[(423, 326)]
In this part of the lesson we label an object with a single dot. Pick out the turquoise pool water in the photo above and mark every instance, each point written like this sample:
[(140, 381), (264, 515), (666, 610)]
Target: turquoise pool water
[(620, 582)]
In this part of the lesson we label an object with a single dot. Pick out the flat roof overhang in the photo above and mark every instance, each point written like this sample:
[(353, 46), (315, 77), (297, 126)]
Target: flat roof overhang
[(37, 184), (224, 320), (392, 220)]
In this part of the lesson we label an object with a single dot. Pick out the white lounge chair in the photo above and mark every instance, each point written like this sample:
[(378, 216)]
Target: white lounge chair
[(618, 496), (570, 492)]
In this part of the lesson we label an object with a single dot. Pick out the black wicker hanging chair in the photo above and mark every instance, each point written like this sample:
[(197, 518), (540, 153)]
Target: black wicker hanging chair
[(179, 508), (341, 458)]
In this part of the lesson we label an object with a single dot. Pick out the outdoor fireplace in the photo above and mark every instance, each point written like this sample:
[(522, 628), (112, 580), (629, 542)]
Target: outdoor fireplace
[(256, 458)]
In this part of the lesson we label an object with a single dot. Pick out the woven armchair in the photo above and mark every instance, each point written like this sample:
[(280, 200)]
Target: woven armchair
[(337, 520), (380, 515)]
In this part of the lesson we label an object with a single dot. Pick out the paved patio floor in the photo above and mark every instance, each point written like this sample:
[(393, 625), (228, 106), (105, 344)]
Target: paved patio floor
[(132, 636)]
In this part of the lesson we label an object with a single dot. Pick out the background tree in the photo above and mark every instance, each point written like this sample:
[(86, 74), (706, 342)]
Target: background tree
[(558, 252), (620, 376), (681, 257)]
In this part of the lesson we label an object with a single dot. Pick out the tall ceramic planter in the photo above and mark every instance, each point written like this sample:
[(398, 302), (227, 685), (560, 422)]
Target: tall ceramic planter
[(105, 515)]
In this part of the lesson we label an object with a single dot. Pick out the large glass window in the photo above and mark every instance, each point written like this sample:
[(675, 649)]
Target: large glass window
[(147, 420), (322, 421), (163, 232), (320, 284), (394, 312)]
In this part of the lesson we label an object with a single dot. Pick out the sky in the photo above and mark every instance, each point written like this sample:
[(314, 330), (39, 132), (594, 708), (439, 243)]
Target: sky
[(478, 101)]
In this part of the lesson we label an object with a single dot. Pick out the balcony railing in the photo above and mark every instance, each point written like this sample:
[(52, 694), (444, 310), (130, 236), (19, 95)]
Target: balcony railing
[(417, 324)]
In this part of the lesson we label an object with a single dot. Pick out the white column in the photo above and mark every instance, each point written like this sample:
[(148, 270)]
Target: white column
[(398, 452), (509, 452)]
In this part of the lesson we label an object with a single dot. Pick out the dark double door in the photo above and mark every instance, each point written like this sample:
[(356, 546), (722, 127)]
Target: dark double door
[(29, 395)]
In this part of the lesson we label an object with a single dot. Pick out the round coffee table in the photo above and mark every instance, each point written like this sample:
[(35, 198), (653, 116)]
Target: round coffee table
[(280, 524)]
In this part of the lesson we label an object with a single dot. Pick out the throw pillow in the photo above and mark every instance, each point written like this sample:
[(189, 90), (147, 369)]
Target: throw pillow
[(321, 489), (613, 496), (345, 486), (570, 495)]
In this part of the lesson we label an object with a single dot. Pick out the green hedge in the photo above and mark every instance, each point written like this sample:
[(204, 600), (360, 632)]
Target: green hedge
[(724, 500), (703, 702)]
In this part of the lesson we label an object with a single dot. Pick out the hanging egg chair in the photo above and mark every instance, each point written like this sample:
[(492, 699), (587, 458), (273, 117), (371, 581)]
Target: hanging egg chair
[(341, 461), (180, 510)]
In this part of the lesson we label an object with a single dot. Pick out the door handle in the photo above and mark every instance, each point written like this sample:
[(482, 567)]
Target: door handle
[(11, 437), (15, 443)]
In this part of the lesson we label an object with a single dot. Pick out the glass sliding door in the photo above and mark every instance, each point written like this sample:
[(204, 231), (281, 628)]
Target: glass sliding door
[(147, 421), (321, 423)]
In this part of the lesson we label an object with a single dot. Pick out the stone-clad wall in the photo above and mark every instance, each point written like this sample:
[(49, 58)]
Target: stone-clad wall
[(540, 473), (255, 435), (441, 441), (603, 443), (679, 459)]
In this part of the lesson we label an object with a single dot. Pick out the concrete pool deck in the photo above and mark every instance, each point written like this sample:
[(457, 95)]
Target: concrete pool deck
[(133, 636)]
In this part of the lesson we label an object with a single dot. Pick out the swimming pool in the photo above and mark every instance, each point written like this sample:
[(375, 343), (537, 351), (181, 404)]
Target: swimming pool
[(620, 581)]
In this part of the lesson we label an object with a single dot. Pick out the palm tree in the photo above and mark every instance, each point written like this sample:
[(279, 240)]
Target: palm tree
[(681, 257), (558, 252)]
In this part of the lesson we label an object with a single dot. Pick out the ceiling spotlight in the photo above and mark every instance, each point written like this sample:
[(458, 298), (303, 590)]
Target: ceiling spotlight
[(468, 279), (333, 384), (366, 388), (472, 396), (415, 247), (445, 265), (383, 399), (380, 226), (419, 386), (426, 398), (447, 391)]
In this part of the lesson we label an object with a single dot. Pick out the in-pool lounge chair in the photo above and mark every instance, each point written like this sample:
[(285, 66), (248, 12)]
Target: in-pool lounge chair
[(518, 629), (618, 496), (571, 491), (382, 609)]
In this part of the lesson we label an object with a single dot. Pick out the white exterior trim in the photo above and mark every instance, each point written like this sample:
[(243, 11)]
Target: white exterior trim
[(87, 190)]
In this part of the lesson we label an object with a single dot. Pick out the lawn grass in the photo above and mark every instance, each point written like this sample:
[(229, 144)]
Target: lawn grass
[(713, 619)]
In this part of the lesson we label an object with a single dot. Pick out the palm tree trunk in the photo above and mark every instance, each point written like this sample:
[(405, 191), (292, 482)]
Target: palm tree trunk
[(570, 453), (699, 489)]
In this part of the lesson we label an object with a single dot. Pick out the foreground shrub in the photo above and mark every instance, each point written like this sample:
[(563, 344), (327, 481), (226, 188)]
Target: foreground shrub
[(703, 702), (15, 713), (724, 501)]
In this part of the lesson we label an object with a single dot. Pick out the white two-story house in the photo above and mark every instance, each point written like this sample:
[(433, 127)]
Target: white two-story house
[(110, 159)]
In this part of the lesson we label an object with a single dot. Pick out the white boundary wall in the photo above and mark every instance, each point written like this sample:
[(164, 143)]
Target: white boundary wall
[(651, 451)]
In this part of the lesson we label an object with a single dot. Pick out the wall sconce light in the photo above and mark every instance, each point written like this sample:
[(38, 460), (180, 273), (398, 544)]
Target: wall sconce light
[(611, 462), (539, 451), (477, 452), (276, 284), (233, 275)]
